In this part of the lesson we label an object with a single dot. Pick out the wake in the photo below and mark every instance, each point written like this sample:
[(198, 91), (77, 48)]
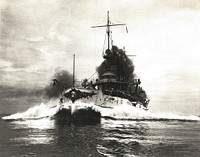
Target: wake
[(121, 112)]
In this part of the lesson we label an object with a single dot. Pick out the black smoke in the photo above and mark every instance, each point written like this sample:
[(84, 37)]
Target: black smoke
[(64, 78), (118, 62)]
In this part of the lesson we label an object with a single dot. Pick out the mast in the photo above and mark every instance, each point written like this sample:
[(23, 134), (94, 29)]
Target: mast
[(73, 70), (108, 30)]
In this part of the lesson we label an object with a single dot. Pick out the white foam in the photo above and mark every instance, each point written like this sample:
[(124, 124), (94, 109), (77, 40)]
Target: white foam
[(35, 112), (81, 105), (124, 111)]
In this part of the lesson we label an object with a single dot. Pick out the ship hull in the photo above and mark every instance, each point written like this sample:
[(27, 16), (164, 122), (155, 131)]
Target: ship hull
[(79, 116), (87, 110), (99, 99)]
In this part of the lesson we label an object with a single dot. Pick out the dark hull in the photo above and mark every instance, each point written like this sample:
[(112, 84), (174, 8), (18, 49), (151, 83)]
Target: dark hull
[(81, 116)]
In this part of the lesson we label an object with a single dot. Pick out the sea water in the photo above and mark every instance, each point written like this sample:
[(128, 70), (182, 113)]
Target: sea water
[(34, 133)]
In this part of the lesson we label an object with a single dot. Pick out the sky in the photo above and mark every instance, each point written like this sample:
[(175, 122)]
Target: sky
[(39, 37)]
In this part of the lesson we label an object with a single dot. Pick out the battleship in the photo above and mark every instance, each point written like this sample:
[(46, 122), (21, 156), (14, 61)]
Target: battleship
[(115, 85)]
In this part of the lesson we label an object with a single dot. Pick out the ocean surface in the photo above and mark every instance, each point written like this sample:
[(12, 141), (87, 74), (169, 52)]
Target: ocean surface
[(37, 136)]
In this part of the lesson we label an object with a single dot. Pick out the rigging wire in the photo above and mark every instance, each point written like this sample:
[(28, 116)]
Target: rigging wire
[(100, 22), (113, 22), (92, 75)]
